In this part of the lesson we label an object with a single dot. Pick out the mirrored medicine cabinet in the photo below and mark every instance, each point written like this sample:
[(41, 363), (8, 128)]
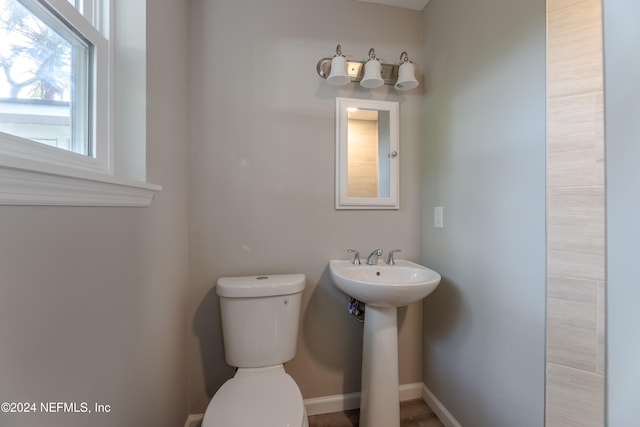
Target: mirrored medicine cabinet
[(367, 139)]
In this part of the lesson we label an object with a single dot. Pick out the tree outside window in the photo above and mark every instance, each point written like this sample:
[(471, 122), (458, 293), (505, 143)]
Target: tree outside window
[(35, 60), (44, 78)]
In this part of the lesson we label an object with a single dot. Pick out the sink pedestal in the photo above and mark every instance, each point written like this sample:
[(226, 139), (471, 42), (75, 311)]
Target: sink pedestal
[(380, 398), (383, 288)]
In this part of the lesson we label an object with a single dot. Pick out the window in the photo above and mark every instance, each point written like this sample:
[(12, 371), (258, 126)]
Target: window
[(53, 66), (57, 102)]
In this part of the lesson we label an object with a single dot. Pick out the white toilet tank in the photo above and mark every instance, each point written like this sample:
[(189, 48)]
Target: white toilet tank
[(260, 317)]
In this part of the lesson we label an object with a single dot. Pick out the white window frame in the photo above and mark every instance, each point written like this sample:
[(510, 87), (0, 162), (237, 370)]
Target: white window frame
[(36, 174)]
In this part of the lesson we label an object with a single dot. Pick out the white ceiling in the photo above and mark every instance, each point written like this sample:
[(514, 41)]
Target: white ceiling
[(407, 4)]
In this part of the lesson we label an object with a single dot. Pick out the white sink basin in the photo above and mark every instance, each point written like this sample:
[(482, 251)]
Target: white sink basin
[(384, 285)]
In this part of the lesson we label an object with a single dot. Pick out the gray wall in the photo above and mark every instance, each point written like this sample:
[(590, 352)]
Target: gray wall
[(622, 88), (483, 140), (93, 300), (262, 176)]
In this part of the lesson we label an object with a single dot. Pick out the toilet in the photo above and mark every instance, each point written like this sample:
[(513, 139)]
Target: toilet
[(260, 317)]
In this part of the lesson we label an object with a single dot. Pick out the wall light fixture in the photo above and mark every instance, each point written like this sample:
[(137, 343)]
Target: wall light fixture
[(338, 75), (371, 73)]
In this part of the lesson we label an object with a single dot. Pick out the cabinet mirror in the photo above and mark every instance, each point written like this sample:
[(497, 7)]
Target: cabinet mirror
[(367, 154)]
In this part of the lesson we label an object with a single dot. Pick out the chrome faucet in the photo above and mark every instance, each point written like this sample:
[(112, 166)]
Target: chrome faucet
[(390, 259), (372, 259)]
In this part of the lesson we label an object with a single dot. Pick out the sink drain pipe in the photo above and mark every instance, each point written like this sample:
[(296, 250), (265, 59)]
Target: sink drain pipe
[(356, 309)]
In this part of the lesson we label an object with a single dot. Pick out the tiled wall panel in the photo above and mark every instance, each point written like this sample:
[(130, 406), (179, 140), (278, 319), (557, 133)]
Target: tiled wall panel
[(575, 215)]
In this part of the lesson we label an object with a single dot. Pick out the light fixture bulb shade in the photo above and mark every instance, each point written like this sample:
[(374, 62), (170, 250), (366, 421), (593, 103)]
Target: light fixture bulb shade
[(406, 77), (372, 76), (338, 75)]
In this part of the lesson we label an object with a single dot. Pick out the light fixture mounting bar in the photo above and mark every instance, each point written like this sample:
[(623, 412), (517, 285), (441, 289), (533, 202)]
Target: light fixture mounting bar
[(355, 70)]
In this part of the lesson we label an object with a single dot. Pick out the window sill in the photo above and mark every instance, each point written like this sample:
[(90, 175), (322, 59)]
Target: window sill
[(29, 182)]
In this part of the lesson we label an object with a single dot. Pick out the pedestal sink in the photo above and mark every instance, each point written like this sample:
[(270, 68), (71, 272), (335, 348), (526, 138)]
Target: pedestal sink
[(383, 288)]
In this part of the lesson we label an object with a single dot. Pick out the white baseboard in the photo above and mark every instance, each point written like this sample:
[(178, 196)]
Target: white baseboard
[(194, 420), (410, 391), (335, 403), (438, 408), (345, 402)]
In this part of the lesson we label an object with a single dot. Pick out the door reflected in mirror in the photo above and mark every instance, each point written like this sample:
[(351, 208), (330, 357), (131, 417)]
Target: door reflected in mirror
[(366, 154)]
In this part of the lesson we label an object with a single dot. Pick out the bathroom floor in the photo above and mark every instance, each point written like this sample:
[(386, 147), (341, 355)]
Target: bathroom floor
[(413, 413)]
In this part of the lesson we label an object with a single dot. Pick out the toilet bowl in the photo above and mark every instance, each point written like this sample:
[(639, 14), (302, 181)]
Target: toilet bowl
[(260, 317), (264, 397)]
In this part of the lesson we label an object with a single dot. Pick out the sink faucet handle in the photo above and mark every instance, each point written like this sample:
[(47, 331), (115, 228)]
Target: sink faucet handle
[(390, 259), (356, 256)]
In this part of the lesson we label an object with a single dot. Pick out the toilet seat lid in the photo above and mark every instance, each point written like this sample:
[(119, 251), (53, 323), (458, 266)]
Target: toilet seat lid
[(266, 397)]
